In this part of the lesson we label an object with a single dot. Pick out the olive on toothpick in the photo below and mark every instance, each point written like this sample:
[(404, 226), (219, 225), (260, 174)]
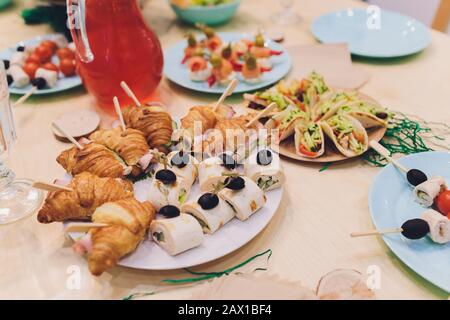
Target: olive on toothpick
[(165, 175), (413, 229), (416, 177), (208, 201)]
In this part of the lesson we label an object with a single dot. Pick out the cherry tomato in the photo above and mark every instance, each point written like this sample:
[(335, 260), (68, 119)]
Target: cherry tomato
[(443, 202), (307, 152), (50, 44), (65, 53), (50, 66), (67, 67), (30, 69), (44, 52), (33, 58)]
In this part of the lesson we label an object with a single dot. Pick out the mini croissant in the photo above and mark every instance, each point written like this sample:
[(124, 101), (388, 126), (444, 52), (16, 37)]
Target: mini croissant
[(89, 192), (204, 115), (154, 122), (128, 222), (129, 144), (94, 158)]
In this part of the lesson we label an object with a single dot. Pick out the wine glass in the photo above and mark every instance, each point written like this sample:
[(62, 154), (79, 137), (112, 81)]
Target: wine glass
[(287, 15), (18, 199)]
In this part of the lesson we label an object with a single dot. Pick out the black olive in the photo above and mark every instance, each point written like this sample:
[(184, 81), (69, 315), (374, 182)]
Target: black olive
[(6, 63), (208, 201), (166, 176), (235, 183), (300, 95), (415, 229), (264, 157), (10, 79), (228, 161), (416, 177), (39, 83), (21, 48), (180, 160), (264, 120), (169, 211), (256, 106)]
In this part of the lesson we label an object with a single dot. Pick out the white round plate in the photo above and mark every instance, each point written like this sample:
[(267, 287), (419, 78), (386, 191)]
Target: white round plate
[(64, 83), (232, 236)]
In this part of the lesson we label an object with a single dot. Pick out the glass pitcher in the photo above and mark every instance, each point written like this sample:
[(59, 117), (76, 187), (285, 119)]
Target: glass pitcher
[(114, 44)]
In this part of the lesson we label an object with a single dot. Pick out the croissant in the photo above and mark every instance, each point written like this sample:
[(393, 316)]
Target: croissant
[(128, 222), (154, 122), (130, 144), (94, 158), (89, 192), (206, 116)]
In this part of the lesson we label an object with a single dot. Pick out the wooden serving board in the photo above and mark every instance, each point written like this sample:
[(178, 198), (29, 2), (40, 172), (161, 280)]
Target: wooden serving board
[(287, 148)]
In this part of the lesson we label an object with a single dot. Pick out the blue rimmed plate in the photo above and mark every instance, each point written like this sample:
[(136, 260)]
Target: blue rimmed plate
[(64, 83), (391, 203), (179, 74), (372, 33)]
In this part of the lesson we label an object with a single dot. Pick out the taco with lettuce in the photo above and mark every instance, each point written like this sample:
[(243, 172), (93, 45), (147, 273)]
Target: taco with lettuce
[(309, 140), (286, 120), (347, 134), (369, 114), (331, 101)]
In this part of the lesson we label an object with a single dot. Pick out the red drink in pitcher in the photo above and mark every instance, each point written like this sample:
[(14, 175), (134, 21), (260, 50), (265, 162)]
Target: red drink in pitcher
[(114, 44)]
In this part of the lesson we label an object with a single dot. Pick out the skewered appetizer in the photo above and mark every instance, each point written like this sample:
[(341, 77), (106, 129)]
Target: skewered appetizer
[(264, 167), (429, 190), (222, 71), (212, 171), (252, 71), (128, 221), (245, 197), (262, 52), (347, 134), (192, 49), (212, 41), (130, 145), (154, 122), (34, 64), (178, 233), (199, 68), (93, 158), (89, 192), (230, 54), (183, 165)]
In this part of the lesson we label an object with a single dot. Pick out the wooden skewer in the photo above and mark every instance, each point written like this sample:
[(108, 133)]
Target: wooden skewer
[(263, 113), (119, 113), (68, 136), (50, 187), (130, 93), (228, 92), (83, 226), (385, 153), (23, 98), (376, 232)]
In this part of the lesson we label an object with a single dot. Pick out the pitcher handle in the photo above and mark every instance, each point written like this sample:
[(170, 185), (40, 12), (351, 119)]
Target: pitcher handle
[(76, 22)]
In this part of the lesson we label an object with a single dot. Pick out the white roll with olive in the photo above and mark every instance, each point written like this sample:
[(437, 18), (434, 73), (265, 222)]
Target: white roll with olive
[(177, 235), (427, 191), (264, 167), (439, 226), (246, 198), (211, 211), (211, 170), (168, 189), (184, 165)]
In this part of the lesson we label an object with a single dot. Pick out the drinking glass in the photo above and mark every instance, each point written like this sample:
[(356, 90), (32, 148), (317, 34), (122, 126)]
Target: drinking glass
[(287, 15), (18, 199)]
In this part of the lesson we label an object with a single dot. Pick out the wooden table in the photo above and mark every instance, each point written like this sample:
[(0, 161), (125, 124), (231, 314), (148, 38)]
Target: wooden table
[(309, 235)]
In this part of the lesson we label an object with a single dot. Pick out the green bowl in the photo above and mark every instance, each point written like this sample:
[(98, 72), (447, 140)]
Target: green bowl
[(212, 15), (4, 4)]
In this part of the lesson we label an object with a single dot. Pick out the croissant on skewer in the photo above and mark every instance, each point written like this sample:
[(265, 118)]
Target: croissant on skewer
[(129, 144), (94, 158), (128, 221), (154, 122), (89, 192), (206, 116)]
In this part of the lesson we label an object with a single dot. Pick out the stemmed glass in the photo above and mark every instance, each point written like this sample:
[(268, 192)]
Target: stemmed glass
[(287, 15), (18, 198)]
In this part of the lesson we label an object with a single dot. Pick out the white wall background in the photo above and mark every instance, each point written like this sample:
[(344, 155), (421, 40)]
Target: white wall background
[(422, 10)]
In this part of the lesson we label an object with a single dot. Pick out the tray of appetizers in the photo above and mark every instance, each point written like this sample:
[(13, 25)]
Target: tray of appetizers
[(210, 62), (318, 123), (45, 62), (419, 203), (139, 196)]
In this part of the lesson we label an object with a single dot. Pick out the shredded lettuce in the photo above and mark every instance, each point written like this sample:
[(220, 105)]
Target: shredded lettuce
[(272, 96)]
